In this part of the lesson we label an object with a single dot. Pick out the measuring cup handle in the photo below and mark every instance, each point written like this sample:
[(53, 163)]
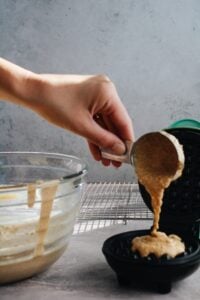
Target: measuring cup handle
[(125, 158)]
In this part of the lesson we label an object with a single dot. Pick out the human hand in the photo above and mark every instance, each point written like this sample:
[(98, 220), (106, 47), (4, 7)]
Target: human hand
[(88, 106)]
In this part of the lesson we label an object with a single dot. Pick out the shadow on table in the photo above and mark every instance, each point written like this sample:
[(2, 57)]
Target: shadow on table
[(95, 279)]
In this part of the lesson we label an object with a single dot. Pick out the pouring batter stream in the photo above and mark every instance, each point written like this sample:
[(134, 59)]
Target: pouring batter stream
[(159, 160)]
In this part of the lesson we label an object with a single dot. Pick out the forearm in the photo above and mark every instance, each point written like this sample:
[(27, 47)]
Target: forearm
[(16, 84)]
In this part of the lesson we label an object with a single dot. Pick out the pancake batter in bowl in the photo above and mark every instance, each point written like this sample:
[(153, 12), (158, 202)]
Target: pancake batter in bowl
[(156, 171), (23, 265)]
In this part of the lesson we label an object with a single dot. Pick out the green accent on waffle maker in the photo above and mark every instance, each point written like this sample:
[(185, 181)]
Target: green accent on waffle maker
[(186, 123)]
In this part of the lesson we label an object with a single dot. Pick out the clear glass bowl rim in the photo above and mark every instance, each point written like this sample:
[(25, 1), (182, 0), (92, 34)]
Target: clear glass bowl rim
[(74, 175)]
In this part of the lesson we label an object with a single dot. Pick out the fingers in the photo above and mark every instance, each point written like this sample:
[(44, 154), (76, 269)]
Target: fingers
[(115, 114), (106, 124), (116, 164), (94, 149), (99, 136), (103, 120), (121, 121), (96, 153)]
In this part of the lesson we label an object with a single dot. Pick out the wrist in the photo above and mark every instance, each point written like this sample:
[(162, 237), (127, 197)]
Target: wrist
[(15, 82), (30, 91), (27, 88)]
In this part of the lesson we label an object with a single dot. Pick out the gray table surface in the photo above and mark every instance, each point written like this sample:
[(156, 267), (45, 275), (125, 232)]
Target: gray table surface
[(82, 273)]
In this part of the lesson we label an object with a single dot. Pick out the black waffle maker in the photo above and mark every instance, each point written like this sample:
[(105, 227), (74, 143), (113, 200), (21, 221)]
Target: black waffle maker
[(180, 215)]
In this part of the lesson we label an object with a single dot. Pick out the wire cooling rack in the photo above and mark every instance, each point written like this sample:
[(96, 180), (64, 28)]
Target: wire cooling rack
[(105, 204)]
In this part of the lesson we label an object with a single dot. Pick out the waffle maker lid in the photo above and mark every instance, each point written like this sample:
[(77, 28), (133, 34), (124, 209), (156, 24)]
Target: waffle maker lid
[(180, 213)]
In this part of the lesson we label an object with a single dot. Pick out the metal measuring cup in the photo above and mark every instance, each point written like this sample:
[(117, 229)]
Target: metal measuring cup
[(158, 153)]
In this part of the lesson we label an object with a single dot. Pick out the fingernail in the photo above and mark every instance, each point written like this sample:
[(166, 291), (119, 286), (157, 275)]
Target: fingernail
[(119, 148)]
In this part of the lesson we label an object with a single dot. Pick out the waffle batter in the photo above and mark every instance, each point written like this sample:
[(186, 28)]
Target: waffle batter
[(154, 174), (38, 260)]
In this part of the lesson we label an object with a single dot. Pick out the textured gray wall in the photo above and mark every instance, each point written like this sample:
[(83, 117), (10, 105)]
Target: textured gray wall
[(150, 49)]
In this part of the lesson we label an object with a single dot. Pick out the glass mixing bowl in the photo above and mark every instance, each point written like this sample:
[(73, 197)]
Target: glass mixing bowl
[(39, 200)]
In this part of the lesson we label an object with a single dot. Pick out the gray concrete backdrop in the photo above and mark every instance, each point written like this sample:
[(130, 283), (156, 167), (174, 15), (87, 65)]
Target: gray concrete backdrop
[(149, 48)]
